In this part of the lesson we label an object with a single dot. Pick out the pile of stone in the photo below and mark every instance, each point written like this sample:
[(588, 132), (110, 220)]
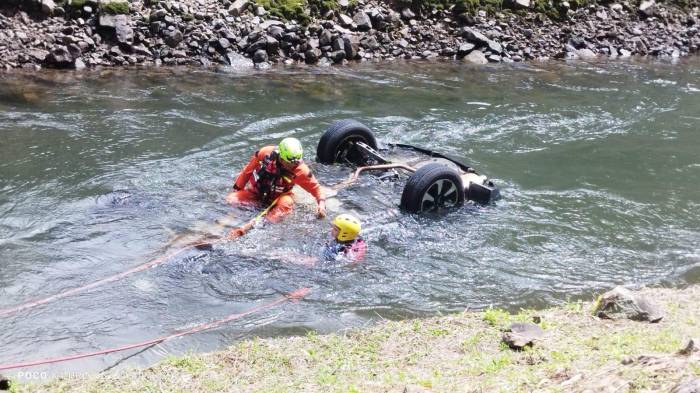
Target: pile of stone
[(80, 33)]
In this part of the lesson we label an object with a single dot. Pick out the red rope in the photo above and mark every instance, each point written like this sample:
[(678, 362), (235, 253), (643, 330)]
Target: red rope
[(118, 276), (115, 277), (296, 295)]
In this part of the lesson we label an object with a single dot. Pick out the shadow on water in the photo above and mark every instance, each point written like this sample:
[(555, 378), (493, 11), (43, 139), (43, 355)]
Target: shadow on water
[(100, 170)]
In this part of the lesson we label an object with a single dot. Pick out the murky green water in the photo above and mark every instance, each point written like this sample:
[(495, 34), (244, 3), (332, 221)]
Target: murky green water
[(598, 165)]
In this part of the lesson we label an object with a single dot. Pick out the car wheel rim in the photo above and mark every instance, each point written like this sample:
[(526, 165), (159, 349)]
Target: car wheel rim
[(441, 194)]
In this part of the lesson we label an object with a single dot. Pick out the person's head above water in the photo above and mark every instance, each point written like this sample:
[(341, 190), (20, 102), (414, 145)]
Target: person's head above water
[(346, 227), (290, 152)]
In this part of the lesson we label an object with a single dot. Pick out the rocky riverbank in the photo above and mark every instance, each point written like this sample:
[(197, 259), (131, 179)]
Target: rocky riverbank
[(623, 342), (90, 33)]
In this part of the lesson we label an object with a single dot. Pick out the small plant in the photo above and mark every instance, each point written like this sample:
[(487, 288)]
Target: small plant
[(439, 332), (192, 365), (496, 317)]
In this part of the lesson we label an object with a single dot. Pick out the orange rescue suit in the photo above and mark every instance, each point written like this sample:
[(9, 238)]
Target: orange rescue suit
[(263, 180)]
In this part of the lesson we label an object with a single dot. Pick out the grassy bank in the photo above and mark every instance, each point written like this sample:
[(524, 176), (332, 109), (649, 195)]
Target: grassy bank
[(461, 352)]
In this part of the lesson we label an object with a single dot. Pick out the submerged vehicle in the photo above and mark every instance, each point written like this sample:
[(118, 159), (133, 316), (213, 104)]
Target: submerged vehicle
[(436, 181)]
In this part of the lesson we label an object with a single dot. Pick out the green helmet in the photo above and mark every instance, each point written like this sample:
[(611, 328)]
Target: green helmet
[(290, 150)]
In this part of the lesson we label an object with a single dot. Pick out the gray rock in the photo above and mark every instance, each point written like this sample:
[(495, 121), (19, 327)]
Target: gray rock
[(690, 385), (621, 303), (48, 7), (362, 20), (141, 50), (158, 14), (60, 57), (337, 56), (271, 22), (338, 44), (272, 45), (494, 46), (109, 21), (238, 7), (325, 38), (521, 335), (625, 53), (260, 56), (224, 43), (38, 54), (585, 53), (75, 50), (79, 64), (276, 31), (521, 4), (345, 20), (124, 33), (407, 14), (260, 43), (647, 8), (474, 36), (237, 60), (312, 55), (351, 45), (476, 57), (464, 49), (173, 38), (370, 42), (494, 58)]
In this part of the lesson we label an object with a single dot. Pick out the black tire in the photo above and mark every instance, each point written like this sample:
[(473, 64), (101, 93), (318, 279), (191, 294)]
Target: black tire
[(432, 187), (336, 143)]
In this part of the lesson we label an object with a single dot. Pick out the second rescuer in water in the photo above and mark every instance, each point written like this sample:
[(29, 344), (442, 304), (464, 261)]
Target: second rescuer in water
[(269, 177)]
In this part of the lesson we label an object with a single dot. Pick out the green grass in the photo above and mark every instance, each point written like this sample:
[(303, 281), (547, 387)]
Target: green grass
[(116, 7), (497, 318), (442, 353)]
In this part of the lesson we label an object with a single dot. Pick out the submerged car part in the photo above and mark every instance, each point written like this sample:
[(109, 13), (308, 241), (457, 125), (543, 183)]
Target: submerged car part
[(431, 186)]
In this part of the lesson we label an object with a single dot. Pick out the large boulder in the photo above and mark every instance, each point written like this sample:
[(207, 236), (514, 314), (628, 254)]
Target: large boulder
[(48, 6), (521, 335), (474, 36), (238, 7), (621, 303), (464, 49), (124, 34), (476, 57), (260, 56), (363, 21), (312, 55), (351, 44), (647, 8), (173, 38), (60, 57), (109, 22)]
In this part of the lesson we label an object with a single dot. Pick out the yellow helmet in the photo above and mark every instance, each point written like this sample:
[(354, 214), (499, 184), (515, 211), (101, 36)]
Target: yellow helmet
[(290, 150), (348, 227)]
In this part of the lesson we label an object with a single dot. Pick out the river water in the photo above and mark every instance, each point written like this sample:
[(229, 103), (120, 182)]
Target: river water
[(598, 165)]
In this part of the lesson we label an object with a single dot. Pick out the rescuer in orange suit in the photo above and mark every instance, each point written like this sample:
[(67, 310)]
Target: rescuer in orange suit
[(269, 178)]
